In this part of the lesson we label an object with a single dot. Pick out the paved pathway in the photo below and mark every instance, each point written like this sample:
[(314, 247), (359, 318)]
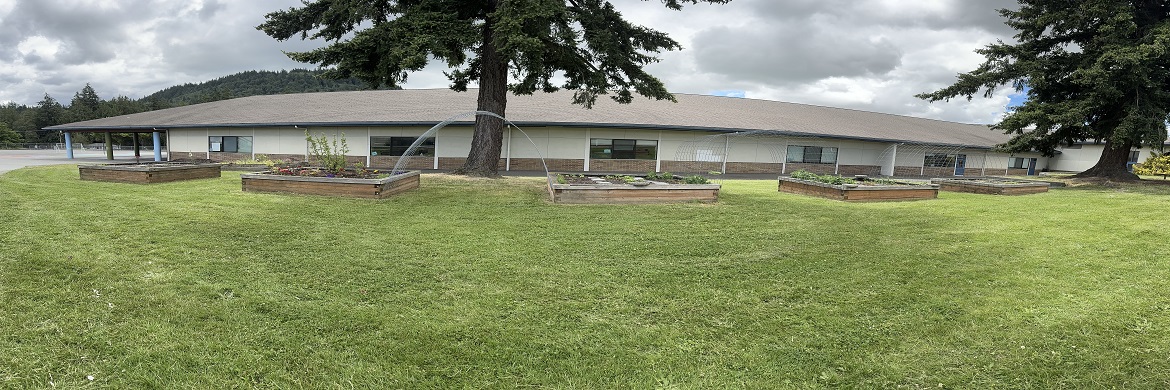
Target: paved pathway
[(16, 159)]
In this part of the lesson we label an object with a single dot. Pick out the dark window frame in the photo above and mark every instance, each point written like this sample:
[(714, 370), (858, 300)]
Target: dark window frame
[(623, 149), (940, 160), (396, 146), (817, 151), (229, 143)]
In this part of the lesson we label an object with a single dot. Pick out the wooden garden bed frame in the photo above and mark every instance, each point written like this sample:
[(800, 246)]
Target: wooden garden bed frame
[(858, 193), (991, 185), (148, 173), (331, 186), (630, 194)]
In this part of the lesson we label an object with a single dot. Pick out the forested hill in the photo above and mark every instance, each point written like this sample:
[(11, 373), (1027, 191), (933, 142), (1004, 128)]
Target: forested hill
[(21, 124), (253, 82)]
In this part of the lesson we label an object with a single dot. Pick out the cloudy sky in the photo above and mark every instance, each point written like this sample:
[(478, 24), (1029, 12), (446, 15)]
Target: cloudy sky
[(871, 55)]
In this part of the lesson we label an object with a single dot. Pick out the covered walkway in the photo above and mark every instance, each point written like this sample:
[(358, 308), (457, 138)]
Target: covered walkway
[(156, 136)]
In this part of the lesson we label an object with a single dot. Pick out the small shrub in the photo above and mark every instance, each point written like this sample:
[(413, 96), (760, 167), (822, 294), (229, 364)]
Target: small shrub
[(561, 179), (331, 156), (827, 179), (695, 179), (1157, 164), (659, 176)]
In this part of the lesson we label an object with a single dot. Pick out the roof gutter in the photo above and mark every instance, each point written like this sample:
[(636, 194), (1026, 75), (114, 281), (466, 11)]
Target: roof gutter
[(134, 128)]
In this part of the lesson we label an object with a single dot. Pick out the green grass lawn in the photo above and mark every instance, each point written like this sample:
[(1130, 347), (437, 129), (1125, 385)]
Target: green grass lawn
[(485, 284)]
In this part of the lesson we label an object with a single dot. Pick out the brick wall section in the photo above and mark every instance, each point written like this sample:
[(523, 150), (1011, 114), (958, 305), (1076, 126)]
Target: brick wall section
[(449, 163), (287, 158), (554, 164), (745, 167), (621, 165), (186, 156), (907, 171), (225, 157), (417, 162), (693, 166), (1017, 172)]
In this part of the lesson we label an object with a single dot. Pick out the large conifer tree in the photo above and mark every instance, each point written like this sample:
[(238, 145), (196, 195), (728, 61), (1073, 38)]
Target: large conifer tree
[(587, 42), (1093, 70)]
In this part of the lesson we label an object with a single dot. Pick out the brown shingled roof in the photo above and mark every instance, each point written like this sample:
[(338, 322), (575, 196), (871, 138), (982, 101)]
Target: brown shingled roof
[(428, 106)]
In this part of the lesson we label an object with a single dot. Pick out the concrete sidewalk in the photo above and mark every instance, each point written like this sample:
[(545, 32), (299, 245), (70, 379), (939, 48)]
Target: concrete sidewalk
[(16, 159)]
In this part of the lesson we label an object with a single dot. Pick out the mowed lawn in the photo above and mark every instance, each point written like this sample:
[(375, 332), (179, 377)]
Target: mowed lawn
[(485, 284)]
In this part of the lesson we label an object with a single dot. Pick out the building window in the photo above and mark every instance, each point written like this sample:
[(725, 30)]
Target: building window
[(229, 144), (811, 155), (1133, 156), (396, 146), (940, 160), (1019, 163), (623, 149)]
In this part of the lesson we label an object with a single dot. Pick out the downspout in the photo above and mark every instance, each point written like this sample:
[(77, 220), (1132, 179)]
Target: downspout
[(588, 145), (657, 153), (784, 166), (726, 152), (295, 127), (837, 162)]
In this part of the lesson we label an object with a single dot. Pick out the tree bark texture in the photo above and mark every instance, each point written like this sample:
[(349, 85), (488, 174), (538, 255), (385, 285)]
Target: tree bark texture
[(488, 139), (1111, 165)]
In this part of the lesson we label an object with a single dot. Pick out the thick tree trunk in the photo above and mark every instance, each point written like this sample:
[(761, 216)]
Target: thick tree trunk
[(488, 139), (1111, 165)]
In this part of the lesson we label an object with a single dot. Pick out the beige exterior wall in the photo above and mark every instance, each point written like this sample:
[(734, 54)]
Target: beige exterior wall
[(761, 154), (545, 142)]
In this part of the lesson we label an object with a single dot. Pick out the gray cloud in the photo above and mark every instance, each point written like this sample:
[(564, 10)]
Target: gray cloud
[(792, 53), (871, 55)]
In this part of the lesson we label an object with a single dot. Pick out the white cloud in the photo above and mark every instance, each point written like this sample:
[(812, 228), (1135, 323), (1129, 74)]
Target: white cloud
[(870, 55)]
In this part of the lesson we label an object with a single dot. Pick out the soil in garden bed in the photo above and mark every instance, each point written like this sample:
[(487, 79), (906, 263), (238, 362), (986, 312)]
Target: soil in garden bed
[(615, 179), (320, 172)]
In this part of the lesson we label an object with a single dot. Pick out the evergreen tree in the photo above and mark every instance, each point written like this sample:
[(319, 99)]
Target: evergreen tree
[(1093, 70), (49, 113), (85, 105), (8, 136), (587, 42), (121, 105)]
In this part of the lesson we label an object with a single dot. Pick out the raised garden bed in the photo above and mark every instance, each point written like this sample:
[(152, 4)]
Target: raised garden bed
[(375, 188), (148, 173), (860, 191), (991, 185), (624, 189)]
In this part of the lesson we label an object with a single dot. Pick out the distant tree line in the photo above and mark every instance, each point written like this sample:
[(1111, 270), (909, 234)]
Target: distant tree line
[(24, 124)]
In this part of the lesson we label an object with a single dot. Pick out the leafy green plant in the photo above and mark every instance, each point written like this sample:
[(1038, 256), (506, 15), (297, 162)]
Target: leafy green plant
[(561, 179), (330, 154), (695, 179), (1157, 164), (259, 160), (827, 179), (659, 176)]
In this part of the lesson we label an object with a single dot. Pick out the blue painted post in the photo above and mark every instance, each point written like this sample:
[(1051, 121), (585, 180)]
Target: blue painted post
[(68, 146), (157, 147)]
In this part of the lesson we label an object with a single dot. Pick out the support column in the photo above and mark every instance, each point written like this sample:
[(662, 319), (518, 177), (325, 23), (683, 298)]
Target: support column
[(157, 147), (137, 146), (109, 146), (68, 146)]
